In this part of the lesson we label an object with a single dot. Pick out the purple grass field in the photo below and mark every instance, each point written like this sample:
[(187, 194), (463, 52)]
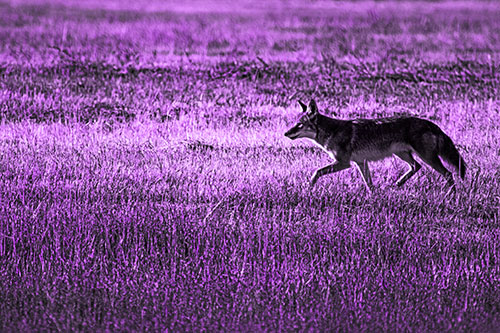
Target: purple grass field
[(146, 183)]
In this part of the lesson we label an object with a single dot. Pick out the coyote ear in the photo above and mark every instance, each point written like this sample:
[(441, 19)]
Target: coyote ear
[(313, 108), (303, 106)]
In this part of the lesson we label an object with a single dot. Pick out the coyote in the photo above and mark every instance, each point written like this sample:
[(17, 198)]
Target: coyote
[(364, 140)]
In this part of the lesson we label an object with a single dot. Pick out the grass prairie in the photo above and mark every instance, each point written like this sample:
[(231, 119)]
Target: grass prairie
[(146, 183)]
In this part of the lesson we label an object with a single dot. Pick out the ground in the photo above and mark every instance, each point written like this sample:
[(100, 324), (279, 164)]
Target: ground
[(147, 183)]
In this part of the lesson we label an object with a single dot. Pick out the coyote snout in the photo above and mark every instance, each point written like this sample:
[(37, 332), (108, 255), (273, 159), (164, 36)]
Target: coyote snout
[(364, 140)]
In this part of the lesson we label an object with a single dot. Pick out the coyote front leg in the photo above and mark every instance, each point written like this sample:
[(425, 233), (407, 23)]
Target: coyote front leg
[(365, 172), (335, 167)]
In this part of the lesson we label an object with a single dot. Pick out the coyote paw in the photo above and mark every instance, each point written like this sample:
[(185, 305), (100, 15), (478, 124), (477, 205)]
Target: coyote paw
[(451, 191), (314, 179)]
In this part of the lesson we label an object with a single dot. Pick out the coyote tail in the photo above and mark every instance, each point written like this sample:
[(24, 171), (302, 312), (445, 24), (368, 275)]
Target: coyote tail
[(449, 153)]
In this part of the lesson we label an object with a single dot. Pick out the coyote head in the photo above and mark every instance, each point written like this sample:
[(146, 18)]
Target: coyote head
[(306, 126)]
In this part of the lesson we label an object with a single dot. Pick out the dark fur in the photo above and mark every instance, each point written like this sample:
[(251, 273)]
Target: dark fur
[(364, 140)]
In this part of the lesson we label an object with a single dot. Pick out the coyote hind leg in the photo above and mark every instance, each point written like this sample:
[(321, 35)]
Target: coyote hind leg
[(414, 166), (434, 161)]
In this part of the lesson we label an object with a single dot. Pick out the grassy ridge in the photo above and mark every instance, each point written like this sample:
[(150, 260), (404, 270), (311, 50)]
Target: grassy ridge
[(92, 63), (85, 91), (146, 182)]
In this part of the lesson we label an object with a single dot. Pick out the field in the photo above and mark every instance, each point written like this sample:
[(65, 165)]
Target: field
[(146, 183)]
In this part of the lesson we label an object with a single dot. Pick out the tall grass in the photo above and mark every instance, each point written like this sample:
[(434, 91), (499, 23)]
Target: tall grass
[(147, 185)]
